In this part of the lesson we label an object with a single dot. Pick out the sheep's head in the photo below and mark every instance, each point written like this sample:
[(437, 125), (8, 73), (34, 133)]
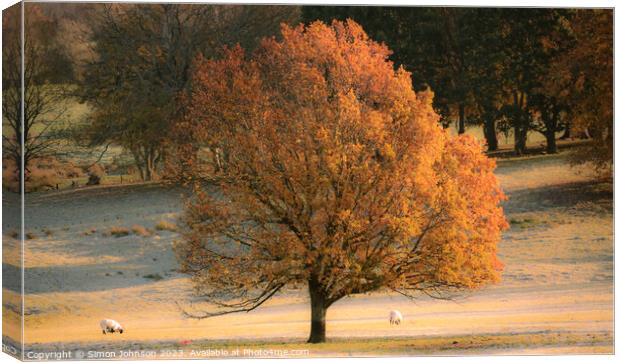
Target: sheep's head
[(120, 331)]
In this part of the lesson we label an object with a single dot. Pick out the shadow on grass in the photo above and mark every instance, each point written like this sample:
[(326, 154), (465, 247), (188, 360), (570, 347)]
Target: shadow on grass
[(588, 197)]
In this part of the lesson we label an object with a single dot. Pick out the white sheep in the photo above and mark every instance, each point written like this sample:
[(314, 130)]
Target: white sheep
[(110, 326), (396, 317)]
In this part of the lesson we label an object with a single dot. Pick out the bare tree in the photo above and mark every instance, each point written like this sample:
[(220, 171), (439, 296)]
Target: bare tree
[(144, 54), (43, 102)]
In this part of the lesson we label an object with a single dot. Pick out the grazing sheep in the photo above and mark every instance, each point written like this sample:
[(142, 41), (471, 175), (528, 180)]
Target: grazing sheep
[(396, 317), (110, 326)]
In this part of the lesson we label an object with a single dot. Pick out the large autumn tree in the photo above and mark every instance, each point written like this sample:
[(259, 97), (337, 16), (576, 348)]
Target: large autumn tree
[(335, 175)]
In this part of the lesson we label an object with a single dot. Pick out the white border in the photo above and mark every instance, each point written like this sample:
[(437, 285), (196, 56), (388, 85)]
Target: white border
[(479, 3)]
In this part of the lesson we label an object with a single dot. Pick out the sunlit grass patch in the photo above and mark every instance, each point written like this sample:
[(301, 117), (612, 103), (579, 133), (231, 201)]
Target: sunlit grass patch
[(119, 231), (165, 225), (140, 230)]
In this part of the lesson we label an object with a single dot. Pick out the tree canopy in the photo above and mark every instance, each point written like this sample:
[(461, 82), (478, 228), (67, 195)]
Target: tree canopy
[(335, 175), (143, 58)]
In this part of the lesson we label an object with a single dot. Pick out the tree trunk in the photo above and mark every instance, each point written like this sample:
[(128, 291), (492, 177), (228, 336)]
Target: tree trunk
[(520, 136), (319, 309), (146, 160), (520, 140), (218, 160), (566, 134), (490, 135), (551, 144), (20, 174), (140, 162), (147, 172), (151, 166), (521, 123), (141, 171), (461, 118), (550, 119)]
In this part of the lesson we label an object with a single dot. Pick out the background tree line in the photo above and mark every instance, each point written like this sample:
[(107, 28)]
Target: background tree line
[(507, 70), (126, 62), (143, 60)]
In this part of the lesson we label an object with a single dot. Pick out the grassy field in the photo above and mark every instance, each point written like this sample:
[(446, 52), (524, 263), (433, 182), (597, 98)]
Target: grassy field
[(556, 293), (444, 345), (541, 342)]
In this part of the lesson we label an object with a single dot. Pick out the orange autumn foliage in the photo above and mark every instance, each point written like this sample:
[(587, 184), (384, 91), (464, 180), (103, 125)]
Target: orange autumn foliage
[(334, 175)]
